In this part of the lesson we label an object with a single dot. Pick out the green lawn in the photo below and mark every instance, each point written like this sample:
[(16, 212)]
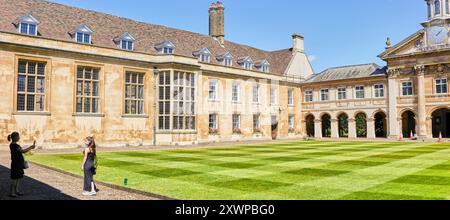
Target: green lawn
[(282, 171)]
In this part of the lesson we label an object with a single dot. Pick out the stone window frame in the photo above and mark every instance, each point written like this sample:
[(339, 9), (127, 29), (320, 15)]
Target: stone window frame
[(236, 121), (187, 98), (213, 121), (340, 93), (383, 87), (322, 94), (309, 93), (47, 86), (410, 88), (291, 98), (101, 90), (291, 124), (146, 76), (215, 92), (256, 98), (363, 91), (436, 85), (274, 96), (235, 95), (256, 122), (164, 103)]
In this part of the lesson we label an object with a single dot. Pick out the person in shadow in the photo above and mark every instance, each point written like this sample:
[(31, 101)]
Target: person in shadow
[(89, 167), (18, 163)]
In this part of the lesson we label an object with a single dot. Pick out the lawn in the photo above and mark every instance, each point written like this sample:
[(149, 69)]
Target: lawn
[(282, 171)]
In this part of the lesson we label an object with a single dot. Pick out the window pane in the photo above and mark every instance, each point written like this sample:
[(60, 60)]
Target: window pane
[(87, 38), (20, 102), (39, 103), (31, 68), (141, 92), (140, 107), (80, 37), (87, 105), (23, 28), (87, 88), (88, 73), (31, 84), (22, 67), (21, 83), (80, 72), (95, 74), (40, 85), (141, 78), (41, 69), (30, 103)]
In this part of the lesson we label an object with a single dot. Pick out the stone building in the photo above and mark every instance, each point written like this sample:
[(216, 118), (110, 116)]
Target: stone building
[(68, 73)]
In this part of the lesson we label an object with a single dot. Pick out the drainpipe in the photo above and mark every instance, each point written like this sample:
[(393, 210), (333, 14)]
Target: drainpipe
[(155, 78)]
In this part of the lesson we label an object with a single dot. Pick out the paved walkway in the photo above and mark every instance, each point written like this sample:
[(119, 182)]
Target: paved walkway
[(45, 184)]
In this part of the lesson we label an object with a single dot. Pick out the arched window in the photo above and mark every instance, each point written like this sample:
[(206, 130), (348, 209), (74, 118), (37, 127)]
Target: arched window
[(437, 7), (429, 10), (447, 6)]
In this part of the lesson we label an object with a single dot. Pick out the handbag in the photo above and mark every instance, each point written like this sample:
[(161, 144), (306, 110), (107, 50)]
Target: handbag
[(25, 165)]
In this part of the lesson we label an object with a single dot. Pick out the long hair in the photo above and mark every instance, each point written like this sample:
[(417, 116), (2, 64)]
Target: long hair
[(13, 136), (92, 147)]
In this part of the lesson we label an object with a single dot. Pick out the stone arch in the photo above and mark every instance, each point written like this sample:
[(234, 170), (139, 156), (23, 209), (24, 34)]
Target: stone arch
[(326, 124), (310, 124), (441, 122), (408, 123), (380, 123), (343, 118), (361, 124)]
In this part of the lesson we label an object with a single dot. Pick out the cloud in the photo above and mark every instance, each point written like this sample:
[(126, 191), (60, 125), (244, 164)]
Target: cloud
[(312, 58)]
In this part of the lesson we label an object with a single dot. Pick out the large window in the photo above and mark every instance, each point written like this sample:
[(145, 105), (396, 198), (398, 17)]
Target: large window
[(273, 96), (256, 123), (87, 91), (290, 97), (164, 101), (213, 88), (441, 86), (134, 93), (213, 126), (256, 94), (342, 93), (236, 93), (379, 90), (359, 92), (183, 101), (31, 86), (324, 95), (407, 88), (236, 123), (309, 96)]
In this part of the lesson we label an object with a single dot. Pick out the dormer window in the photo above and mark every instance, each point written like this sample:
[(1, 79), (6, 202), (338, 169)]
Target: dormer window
[(226, 59), (126, 42), (28, 25), (83, 35), (246, 63), (165, 47), (203, 55), (263, 66)]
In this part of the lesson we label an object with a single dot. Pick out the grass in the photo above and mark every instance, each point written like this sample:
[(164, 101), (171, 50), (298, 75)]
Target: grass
[(280, 171)]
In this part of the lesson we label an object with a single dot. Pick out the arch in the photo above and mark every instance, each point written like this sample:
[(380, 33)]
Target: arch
[(407, 110), (380, 124), (437, 7), (361, 125), (310, 126), (326, 125), (430, 113), (408, 124), (441, 122), (343, 124)]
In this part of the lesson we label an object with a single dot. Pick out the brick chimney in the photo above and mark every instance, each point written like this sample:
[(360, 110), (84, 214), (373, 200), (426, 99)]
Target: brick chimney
[(217, 21)]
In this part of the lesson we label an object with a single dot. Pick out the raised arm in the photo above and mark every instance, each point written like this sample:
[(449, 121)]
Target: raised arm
[(29, 148)]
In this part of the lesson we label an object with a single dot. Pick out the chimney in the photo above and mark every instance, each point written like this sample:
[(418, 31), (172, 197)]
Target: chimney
[(298, 43), (217, 21)]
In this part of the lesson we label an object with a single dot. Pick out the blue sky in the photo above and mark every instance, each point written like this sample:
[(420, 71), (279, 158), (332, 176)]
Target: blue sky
[(337, 33)]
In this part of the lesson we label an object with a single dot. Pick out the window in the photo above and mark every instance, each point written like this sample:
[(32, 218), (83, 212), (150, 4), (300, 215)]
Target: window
[(273, 96), (437, 7), (291, 121), (324, 95), (407, 88), (379, 91), (227, 62), (236, 123), (256, 94), (183, 101), (429, 10), (213, 122), (164, 82), (359, 92), (342, 93), (265, 68), (309, 96), (134, 93), (205, 58), (167, 50), (83, 38), (127, 45), (441, 86), (31, 86), (87, 92), (256, 123), (213, 90), (29, 29), (290, 97), (236, 93), (248, 66), (447, 6)]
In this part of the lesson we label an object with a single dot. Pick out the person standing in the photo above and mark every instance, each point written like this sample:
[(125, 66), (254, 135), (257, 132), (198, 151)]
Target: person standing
[(18, 163), (89, 167)]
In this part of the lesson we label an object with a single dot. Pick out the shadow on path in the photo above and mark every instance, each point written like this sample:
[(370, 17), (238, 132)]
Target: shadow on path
[(33, 189)]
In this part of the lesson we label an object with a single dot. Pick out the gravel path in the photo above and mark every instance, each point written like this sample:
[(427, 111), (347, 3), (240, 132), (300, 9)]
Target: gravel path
[(45, 184)]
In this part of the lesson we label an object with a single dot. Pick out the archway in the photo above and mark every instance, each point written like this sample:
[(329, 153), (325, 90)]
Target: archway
[(441, 123), (380, 125), (310, 128), (326, 126), (343, 125), (408, 124), (361, 125)]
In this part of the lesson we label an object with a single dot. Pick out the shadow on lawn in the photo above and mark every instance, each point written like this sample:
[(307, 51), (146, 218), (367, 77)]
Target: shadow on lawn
[(33, 189)]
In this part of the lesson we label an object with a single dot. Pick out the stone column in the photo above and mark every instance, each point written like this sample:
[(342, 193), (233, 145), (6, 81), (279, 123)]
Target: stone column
[(371, 128), (318, 128), (422, 117), (393, 94), (351, 128), (334, 128)]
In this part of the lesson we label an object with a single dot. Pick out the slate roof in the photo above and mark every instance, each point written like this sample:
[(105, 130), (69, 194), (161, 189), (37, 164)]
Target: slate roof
[(57, 21), (349, 72)]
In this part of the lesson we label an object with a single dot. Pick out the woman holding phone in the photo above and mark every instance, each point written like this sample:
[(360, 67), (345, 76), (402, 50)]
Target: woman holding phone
[(18, 163), (89, 167)]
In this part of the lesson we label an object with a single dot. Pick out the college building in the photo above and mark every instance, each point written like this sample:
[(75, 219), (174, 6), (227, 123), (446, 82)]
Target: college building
[(68, 73)]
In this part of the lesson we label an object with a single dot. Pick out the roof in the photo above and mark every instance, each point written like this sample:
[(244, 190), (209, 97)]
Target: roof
[(388, 51), (349, 72), (56, 21)]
